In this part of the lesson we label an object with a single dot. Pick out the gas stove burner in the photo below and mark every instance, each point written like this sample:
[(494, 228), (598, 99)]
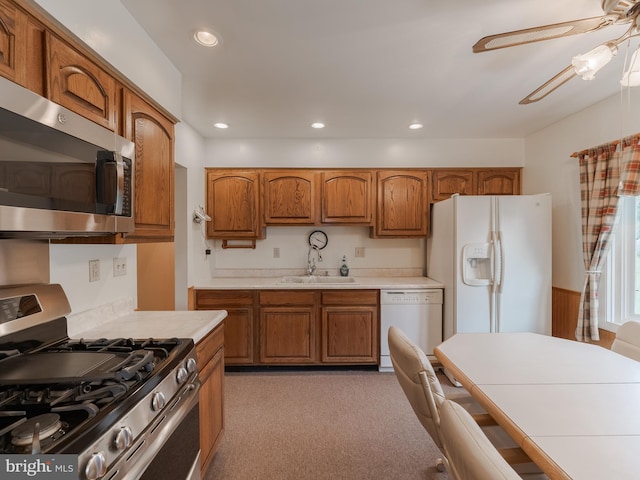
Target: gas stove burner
[(42, 425)]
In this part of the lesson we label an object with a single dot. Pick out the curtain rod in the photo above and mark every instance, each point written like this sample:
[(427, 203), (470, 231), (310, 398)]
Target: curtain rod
[(629, 139)]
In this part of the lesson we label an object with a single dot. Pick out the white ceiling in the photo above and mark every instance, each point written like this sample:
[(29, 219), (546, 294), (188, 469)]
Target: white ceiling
[(368, 68)]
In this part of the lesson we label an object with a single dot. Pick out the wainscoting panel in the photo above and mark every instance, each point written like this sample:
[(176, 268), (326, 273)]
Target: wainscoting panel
[(565, 305)]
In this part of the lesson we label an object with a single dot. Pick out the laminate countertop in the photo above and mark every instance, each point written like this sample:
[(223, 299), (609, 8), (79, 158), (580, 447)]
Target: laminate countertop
[(324, 282), (146, 324)]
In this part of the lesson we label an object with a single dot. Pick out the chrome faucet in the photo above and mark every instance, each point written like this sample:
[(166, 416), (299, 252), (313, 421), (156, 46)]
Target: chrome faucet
[(311, 262)]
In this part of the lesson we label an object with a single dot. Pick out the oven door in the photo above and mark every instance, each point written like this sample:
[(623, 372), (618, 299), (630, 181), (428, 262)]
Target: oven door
[(170, 448), (179, 458)]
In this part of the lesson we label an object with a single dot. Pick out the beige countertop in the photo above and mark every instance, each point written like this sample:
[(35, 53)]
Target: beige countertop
[(378, 283), (160, 324)]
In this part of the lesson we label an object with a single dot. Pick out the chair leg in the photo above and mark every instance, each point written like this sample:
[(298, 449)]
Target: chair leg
[(440, 465)]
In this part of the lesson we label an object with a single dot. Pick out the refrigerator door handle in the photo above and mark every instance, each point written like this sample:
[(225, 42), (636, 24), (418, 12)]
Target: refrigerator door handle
[(496, 243)]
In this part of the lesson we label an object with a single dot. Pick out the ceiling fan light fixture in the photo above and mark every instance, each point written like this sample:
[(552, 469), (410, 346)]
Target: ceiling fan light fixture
[(631, 78), (588, 64)]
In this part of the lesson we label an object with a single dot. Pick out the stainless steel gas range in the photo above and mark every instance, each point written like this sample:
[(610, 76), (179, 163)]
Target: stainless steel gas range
[(128, 408)]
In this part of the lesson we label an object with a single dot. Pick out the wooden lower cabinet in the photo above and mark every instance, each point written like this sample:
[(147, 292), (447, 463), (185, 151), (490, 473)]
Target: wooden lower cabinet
[(350, 327), (238, 325), (210, 351), (297, 327), (287, 335), (287, 327)]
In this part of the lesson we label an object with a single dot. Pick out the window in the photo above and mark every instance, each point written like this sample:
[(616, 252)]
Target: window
[(620, 285)]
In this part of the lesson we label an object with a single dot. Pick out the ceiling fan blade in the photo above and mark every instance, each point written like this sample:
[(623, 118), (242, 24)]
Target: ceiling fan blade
[(545, 32), (560, 79)]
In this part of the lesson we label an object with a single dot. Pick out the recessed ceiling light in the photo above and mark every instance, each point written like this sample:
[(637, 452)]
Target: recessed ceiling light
[(317, 125), (416, 126), (221, 125), (206, 38)]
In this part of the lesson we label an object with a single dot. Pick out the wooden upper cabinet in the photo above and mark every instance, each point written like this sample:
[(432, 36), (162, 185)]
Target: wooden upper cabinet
[(403, 203), (80, 85), (290, 197), (13, 42), (448, 182), (499, 182), (347, 197), (233, 203), (475, 181), (153, 135)]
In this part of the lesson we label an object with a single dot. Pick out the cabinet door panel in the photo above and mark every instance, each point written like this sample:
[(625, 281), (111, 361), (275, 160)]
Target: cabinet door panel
[(403, 204), (498, 182), (153, 136), (238, 336), (289, 198), (13, 42), (448, 182), (233, 203), (78, 84), (238, 325), (350, 335), (210, 351), (287, 335), (347, 197)]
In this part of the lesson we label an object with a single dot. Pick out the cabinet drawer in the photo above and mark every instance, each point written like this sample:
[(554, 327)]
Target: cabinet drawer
[(209, 345), (212, 299), (351, 297), (287, 297)]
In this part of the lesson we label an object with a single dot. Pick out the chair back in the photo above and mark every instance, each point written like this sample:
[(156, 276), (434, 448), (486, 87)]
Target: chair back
[(470, 454), (418, 381), (627, 341)]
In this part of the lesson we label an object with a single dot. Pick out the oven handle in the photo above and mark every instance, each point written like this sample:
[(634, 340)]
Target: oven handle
[(156, 434)]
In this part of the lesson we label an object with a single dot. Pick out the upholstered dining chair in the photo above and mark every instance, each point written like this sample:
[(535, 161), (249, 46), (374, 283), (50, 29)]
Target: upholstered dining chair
[(627, 341), (471, 456), (420, 385), (422, 388)]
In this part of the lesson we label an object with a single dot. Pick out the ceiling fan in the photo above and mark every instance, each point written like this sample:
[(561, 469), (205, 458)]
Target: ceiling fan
[(616, 12)]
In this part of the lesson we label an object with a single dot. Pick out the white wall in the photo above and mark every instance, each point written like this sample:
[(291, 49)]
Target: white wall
[(189, 152), (335, 153), (69, 266), (549, 167)]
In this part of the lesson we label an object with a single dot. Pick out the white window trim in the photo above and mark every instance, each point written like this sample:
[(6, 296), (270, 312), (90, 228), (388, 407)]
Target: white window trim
[(617, 287)]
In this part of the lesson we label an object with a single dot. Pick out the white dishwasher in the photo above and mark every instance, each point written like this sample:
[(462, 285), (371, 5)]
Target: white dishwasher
[(417, 312)]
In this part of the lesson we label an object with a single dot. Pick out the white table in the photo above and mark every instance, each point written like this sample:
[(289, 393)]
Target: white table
[(573, 407)]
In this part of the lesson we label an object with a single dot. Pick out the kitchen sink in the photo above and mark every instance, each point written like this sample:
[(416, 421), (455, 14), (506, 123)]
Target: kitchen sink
[(317, 279)]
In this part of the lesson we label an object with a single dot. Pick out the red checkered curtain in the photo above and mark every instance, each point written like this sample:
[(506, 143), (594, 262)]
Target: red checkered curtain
[(601, 184)]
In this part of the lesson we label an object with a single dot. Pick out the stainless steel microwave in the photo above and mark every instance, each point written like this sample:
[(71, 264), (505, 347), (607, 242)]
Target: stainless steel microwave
[(61, 175)]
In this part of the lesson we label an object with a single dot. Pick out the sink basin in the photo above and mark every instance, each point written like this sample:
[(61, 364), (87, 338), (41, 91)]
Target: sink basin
[(317, 279)]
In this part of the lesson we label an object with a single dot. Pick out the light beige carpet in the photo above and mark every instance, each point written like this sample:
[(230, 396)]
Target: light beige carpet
[(321, 425)]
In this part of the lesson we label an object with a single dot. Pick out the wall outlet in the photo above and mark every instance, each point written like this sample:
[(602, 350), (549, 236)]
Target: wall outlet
[(94, 270), (119, 266), (276, 252), (359, 252)]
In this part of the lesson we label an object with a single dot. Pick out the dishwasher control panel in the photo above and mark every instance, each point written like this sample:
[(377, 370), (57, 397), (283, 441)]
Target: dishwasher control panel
[(410, 297)]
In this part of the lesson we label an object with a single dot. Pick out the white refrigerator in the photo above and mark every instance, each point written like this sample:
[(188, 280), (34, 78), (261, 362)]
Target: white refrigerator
[(493, 254)]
